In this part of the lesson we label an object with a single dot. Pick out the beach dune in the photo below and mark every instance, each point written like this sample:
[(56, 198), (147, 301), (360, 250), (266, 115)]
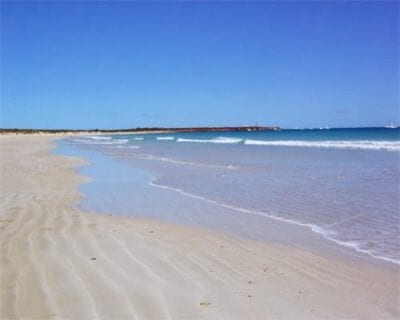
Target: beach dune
[(59, 262)]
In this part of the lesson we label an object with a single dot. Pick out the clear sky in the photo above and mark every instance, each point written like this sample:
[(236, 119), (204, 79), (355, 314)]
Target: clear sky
[(129, 64)]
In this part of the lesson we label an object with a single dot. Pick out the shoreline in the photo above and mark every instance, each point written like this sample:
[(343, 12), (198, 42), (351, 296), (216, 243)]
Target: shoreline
[(308, 236), (338, 248), (143, 268)]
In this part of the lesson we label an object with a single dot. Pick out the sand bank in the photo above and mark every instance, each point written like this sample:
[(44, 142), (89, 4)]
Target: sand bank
[(59, 262)]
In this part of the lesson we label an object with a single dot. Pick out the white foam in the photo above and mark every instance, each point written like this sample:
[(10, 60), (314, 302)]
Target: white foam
[(214, 140), (128, 147), (226, 140), (140, 138), (115, 141), (193, 140), (339, 144), (327, 234), (102, 141), (98, 137), (191, 163), (165, 138)]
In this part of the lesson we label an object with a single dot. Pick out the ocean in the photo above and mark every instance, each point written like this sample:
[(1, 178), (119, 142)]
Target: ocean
[(341, 185)]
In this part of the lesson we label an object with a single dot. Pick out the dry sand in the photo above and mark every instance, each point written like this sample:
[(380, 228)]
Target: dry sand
[(59, 262)]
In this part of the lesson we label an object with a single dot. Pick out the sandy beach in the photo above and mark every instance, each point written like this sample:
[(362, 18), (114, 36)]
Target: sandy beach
[(61, 263)]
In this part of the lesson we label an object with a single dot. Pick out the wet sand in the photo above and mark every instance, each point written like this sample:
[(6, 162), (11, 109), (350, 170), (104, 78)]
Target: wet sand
[(59, 262)]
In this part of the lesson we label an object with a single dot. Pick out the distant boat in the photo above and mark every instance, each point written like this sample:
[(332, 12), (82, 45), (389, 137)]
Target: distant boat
[(391, 126)]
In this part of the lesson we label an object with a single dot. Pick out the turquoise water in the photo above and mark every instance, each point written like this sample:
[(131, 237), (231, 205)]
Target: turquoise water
[(340, 184)]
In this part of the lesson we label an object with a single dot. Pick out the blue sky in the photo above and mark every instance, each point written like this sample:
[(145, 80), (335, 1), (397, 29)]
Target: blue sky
[(129, 64)]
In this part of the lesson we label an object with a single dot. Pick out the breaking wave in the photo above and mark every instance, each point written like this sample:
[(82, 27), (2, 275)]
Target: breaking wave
[(338, 144), (214, 140), (165, 138)]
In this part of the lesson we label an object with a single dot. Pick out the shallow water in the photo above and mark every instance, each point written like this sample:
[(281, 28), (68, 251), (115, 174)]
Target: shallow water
[(340, 184)]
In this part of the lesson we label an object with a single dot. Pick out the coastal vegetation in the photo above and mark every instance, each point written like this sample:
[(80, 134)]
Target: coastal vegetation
[(138, 129)]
